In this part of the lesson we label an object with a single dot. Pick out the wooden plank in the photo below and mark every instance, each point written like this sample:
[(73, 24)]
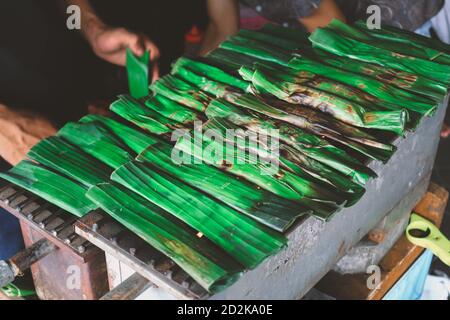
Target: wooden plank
[(130, 289), (398, 260)]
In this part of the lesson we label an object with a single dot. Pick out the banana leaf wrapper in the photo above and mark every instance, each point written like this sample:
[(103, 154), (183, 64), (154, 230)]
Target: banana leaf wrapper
[(132, 110), (433, 47), (241, 237), (171, 109), (294, 35), (404, 80), (232, 61), (309, 145), (370, 89), (57, 189), (212, 72), (137, 70), (257, 50), (271, 40), (63, 157), (203, 83), (97, 141), (282, 183), (309, 119), (408, 43), (323, 95), (182, 92), (134, 139), (262, 206), (330, 40), (335, 187), (205, 263)]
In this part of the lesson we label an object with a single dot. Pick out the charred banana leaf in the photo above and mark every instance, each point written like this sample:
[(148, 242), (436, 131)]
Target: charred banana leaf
[(306, 118), (391, 77), (133, 111), (171, 110), (268, 209), (244, 239), (51, 186), (373, 90), (267, 174), (326, 96), (305, 143), (332, 41), (182, 92), (212, 268)]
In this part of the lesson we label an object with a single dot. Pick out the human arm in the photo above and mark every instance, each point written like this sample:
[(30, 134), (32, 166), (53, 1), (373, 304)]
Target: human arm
[(224, 22)]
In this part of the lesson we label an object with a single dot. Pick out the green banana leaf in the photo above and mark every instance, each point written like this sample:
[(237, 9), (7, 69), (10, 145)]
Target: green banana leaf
[(409, 43), (241, 237), (97, 141), (133, 111), (373, 90), (212, 72), (264, 174), (57, 189), (328, 97), (393, 78), (205, 84), (270, 40), (308, 118), (171, 110), (133, 138), (137, 69), (63, 157), (305, 143), (294, 35), (262, 206), (332, 41), (182, 92), (333, 187), (205, 263), (434, 47), (257, 49), (232, 61)]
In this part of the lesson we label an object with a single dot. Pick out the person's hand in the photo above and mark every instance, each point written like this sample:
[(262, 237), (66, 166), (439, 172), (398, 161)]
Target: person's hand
[(110, 44)]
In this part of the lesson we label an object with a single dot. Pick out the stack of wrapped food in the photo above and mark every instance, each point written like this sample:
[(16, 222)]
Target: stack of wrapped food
[(334, 99)]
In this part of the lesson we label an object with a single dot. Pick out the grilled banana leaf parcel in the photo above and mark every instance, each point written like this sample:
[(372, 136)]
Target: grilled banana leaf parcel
[(257, 49), (309, 145), (392, 77), (51, 186), (182, 92), (257, 121), (212, 72), (306, 118), (171, 110), (369, 89), (97, 141), (327, 96), (131, 137), (263, 172), (61, 156), (336, 186), (332, 41), (133, 111), (213, 269), (268, 209), (243, 238)]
